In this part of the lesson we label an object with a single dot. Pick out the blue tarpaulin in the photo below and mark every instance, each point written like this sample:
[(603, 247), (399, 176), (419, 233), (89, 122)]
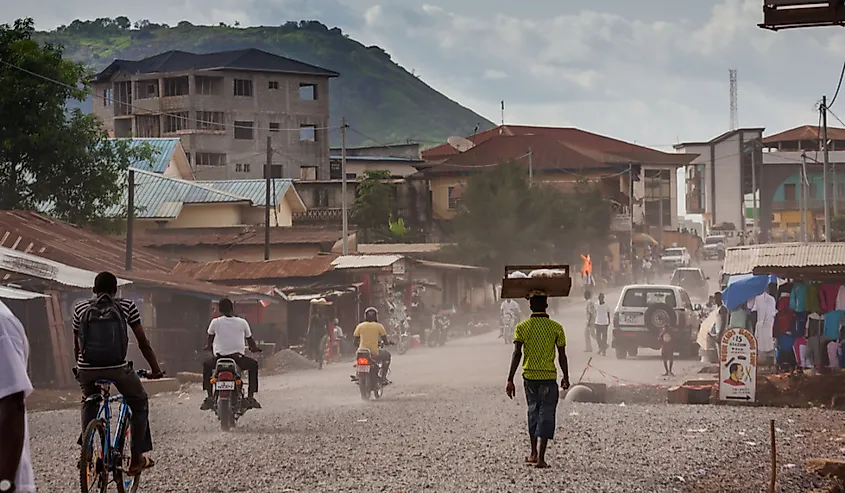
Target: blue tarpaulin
[(744, 287)]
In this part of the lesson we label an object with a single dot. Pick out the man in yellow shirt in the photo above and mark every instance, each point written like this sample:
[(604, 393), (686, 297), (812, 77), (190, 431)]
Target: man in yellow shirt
[(534, 342), (367, 336)]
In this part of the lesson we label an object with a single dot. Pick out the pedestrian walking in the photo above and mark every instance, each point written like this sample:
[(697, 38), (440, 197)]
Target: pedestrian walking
[(535, 342), (15, 464), (589, 329), (667, 350), (602, 323)]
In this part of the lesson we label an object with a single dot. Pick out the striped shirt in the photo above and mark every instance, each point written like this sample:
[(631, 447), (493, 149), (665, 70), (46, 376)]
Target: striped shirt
[(127, 307)]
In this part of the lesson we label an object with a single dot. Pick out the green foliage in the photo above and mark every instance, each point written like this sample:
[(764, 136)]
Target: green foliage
[(379, 98), (397, 228), (502, 220), (372, 206), (49, 159)]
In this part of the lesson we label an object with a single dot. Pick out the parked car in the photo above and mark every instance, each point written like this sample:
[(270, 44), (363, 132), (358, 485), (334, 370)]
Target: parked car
[(693, 280), (675, 257), (644, 310), (714, 247)]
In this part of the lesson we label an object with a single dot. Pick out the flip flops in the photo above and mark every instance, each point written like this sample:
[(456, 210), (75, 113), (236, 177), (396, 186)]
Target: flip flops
[(136, 470)]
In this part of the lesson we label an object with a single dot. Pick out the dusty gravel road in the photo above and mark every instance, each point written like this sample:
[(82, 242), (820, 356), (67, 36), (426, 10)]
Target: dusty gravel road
[(446, 425)]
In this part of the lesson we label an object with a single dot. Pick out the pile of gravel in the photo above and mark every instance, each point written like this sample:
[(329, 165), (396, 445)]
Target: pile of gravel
[(286, 361)]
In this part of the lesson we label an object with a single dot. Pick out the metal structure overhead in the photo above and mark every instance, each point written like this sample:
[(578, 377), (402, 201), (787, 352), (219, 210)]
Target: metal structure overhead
[(793, 14)]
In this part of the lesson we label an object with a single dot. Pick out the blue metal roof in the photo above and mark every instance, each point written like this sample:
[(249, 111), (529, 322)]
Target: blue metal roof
[(160, 197), (253, 190), (163, 150), (387, 159)]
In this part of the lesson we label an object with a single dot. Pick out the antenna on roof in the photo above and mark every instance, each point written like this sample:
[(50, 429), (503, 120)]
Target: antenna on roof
[(503, 113), (734, 106), (460, 144)]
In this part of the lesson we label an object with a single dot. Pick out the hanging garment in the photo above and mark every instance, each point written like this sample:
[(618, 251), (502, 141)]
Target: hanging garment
[(737, 318), (798, 298), (833, 354), (800, 348), (785, 355), (785, 288), (783, 301), (812, 303), (840, 298), (764, 329), (799, 327), (784, 320), (815, 325), (827, 296), (832, 321)]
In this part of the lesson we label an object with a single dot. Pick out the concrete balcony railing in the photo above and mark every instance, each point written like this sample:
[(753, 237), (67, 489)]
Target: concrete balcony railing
[(323, 215)]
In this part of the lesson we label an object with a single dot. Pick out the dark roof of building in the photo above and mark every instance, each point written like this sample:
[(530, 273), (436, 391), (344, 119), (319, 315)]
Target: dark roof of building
[(48, 238), (805, 132), (238, 235), (720, 137), (575, 138), (250, 60), (237, 270)]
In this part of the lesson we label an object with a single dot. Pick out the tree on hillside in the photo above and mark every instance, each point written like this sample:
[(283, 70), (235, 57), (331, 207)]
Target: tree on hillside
[(502, 220), (51, 158)]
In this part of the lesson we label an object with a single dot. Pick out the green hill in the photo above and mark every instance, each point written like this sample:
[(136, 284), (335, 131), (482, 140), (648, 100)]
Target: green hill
[(378, 97)]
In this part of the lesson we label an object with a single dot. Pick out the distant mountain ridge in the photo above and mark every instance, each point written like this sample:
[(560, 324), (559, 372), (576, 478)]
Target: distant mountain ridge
[(382, 102)]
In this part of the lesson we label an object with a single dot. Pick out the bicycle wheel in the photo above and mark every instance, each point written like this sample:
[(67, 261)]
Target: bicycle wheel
[(93, 474), (123, 453)]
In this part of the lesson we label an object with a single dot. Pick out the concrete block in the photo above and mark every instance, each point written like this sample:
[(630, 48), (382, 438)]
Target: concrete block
[(160, 386), (188, 377), (677, 395), (689, 394), (599, 391)]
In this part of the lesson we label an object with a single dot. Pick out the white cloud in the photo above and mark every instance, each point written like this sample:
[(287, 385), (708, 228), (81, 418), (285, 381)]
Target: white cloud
[(374, 16), (491, 74)]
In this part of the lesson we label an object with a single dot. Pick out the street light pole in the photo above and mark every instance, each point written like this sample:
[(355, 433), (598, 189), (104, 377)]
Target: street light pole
[(826, 171)]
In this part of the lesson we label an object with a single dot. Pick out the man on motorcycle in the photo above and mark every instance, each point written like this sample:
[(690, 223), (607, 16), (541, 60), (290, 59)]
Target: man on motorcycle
[(509, 307), (226, 337), (367, 336)]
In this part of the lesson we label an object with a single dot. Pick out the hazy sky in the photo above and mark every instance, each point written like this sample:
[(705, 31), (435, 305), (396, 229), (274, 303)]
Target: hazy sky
[(653, 72)]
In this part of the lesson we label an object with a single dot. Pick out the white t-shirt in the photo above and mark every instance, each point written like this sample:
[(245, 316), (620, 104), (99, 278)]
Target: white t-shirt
[(602, 314), (14, 354), (229, 335)]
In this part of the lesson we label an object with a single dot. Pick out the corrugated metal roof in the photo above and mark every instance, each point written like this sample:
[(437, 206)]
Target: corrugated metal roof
[(254, 190), (365, 261), (160, 197), (35, 266), (10, 293), (744, 259), (398, 248), (245, 235), (237, 270), (163, 150), (57, 241)]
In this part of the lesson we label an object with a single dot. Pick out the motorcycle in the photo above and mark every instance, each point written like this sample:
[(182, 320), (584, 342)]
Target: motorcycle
[(368, 374), (508, 325), (439, 332), (229, 398)]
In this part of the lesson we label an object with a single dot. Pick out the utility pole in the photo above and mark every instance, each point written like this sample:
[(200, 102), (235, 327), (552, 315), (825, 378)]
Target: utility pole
[(660, 208), (631, 212), (755, 213), (825, 196), (344, 200), (130, 218), (530, 167), (267, 199), (802, 220)]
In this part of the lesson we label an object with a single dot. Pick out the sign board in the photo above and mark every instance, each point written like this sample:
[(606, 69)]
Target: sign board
[(621, 222), (738, 366), (399, 268)]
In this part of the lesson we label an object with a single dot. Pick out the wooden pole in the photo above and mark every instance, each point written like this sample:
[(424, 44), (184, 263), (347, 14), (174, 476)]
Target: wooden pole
[(587, 367), (774, 458), (130, 218)]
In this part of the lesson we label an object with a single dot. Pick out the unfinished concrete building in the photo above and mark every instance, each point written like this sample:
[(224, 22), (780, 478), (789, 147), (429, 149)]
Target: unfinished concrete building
[(223, 106)]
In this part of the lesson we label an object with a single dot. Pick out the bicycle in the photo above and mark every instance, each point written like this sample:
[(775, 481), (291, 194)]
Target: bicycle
[(115, 454)]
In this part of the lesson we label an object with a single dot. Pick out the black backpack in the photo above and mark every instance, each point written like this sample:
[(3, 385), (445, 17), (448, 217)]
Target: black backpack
[(103, 337)]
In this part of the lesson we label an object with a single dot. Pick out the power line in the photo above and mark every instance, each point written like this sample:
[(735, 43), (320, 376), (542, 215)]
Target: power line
[(145, 111), (838, 86)]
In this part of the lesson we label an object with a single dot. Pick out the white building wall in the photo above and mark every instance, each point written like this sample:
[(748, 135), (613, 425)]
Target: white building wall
[(727, 168)]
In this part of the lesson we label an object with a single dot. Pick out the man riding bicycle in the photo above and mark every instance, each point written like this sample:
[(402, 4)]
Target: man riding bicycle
[(226, 336), (367, 336), (100, 344)]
